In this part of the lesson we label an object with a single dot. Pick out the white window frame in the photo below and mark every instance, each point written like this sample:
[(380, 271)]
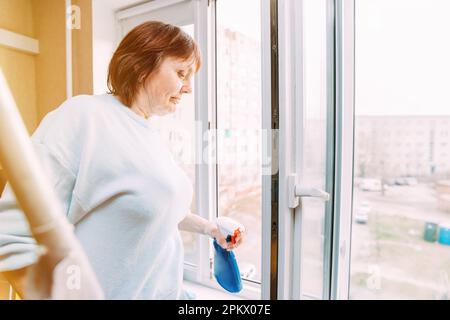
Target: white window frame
[(291, 109), (288, 64), (290, 71), (345, 83)]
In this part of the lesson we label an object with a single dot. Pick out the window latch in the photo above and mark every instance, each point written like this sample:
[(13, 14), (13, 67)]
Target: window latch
[(296, 191)]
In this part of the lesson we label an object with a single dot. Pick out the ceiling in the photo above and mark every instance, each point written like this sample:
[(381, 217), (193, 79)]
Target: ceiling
[(122, 4)]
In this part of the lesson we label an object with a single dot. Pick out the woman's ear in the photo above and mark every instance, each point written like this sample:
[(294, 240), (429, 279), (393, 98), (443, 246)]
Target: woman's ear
[(141, 80)]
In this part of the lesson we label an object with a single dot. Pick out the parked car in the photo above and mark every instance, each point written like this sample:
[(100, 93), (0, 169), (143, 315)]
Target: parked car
[(390, 182), (401, 182), (411, 181), (362, 213), (370, 184), (406, 181)]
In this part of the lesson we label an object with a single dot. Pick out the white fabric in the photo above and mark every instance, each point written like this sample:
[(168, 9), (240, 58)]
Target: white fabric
[(120, 187)]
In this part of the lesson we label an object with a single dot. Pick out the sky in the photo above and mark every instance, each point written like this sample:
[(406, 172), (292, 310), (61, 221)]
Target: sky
[(402, 52), (240, 15), (402, 57)]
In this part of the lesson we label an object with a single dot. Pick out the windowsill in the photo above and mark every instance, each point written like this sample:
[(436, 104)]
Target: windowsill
[(206, 293)]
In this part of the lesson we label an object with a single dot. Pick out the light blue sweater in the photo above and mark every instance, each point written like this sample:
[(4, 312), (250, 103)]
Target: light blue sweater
[(122, 190)]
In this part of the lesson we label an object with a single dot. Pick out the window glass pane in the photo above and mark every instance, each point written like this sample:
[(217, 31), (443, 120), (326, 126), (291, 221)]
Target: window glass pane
[(239, 124), (314, 136), (401, 214)]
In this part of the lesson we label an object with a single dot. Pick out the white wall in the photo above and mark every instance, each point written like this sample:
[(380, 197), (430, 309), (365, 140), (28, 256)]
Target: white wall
[(104, 37)]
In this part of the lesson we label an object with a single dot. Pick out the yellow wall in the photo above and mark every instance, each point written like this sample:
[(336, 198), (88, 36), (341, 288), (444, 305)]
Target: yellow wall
[(51, 62), (18, 67), (82, 73), (38, 82), (49, 23), (17, 16), (19, 70)]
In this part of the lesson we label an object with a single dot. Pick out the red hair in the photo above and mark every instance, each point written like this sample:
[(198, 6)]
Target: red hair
[(141, 53)]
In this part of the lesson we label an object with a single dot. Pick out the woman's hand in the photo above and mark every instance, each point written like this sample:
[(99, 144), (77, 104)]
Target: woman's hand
[(222, 241), (194, 223)]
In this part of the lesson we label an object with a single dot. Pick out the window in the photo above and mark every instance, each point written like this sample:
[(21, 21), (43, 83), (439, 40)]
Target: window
[(396, 251), (317, 150), (239, 123)]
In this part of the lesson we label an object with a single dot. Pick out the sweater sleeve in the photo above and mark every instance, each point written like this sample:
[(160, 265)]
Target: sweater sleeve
[(18, 248)]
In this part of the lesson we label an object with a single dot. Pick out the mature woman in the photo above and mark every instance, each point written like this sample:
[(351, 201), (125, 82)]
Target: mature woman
[(117, 181)]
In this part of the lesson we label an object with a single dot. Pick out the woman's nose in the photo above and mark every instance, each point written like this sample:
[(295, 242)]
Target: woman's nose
[(186, 88)]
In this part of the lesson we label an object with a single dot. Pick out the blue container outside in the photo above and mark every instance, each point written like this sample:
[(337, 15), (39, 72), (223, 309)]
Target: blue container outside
[(444, 234), (430, 233)]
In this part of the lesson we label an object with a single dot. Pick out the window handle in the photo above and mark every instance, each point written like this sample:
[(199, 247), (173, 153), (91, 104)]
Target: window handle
[(296, 191)]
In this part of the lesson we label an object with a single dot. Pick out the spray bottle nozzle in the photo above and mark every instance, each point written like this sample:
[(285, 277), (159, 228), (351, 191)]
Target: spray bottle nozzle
[(230, 228)]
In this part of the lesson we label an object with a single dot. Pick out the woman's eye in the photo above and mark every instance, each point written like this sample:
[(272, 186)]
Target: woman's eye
[(182, 75)]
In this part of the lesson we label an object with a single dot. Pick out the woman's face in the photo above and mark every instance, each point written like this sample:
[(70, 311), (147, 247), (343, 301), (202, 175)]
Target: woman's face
[(164, 88)]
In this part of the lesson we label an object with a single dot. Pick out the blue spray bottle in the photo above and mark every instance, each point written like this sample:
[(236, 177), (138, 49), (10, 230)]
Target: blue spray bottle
[(226, 270)]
